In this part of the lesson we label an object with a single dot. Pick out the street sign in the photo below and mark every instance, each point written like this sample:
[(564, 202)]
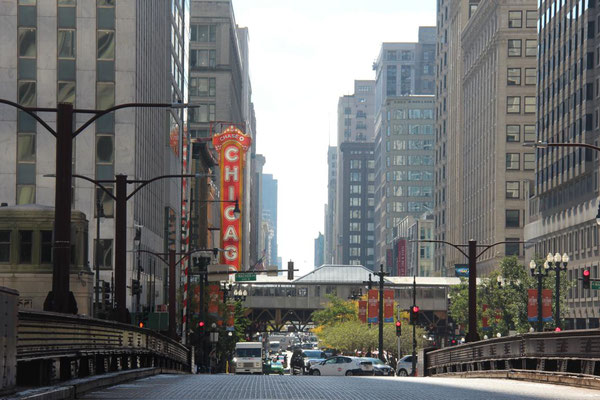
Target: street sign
[(218, 272), (461, 270), (245, 276), (596, 285)]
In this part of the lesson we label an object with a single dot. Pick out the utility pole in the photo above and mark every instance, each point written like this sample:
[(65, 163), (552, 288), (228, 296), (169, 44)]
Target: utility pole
[(414, 338), (381, 275)]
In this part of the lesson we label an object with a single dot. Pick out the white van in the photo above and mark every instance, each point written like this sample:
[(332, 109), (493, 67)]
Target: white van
[(248, 358)]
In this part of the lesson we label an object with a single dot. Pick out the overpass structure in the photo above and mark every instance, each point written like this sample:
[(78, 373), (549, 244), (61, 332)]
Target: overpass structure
[(274, 302)]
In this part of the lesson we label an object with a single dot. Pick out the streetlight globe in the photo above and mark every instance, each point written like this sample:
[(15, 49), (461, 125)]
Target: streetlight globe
[(557, 257), (532, 265), (245, 293), (531, 330), (546, 265), (499, 279), (549, 257), (498, 334), (485, 337), (565, 258)]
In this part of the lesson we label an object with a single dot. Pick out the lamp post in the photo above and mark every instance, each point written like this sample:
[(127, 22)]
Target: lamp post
[(472, 256), (540, 276), (99, 214), (61, 299), (557, 263)]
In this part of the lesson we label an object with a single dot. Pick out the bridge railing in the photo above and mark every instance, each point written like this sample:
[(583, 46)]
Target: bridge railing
[(575, 352), (52, 346)]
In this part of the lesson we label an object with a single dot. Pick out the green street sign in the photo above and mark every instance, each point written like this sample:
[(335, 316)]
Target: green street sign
[(595, 285), (245, 277)]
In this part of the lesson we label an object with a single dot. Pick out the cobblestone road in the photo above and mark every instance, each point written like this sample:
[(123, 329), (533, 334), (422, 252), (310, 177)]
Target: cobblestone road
[(233, 387)]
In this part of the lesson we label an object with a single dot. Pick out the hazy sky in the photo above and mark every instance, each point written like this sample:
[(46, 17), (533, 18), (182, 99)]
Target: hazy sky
[(304, 55)]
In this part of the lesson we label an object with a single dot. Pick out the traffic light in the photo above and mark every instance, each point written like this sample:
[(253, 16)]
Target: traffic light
[(453, 342), (414, 315), (135, 286), (201, 325), (143, 319), (586, 278), (290, 270), (398, 328), (106, 293)]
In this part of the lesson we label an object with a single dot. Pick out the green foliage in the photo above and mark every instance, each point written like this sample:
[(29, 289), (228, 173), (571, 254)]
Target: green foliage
[(338, 327), (506, 303), (337, 311)]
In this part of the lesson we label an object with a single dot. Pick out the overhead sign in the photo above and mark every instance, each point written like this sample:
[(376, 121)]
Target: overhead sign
[(232, 145), (461, 270), (245, 276), (401, 260), (218, 272)]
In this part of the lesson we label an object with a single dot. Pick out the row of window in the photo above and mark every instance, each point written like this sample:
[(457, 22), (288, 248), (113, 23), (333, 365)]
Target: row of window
[(515, 47), (410, 129), (513, 76), (357, 189), (513, 161), (515, 19), (395, 176), (400, 144), (417, 113), (410, 206), (513, 104), (513, 133)]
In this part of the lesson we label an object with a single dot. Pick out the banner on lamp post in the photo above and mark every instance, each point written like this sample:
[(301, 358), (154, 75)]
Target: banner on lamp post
[(362, 311), (215, 296), (373, 306), (232, 145), (484, 320), (532, 305), (547, 305), (230, 318), (388, 305)]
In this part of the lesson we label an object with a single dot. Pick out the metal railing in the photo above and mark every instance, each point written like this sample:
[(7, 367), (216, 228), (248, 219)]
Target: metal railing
[(571, 352), (53, 346)]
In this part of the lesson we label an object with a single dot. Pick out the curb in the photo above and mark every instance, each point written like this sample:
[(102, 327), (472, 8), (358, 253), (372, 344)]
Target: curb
[(77, 387)]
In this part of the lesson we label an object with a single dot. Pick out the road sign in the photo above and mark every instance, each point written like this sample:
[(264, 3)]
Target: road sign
[(245, 276), (218, 272), (596, 285)]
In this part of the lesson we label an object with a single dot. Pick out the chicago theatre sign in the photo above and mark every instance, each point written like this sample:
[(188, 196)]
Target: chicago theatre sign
[(232, 144)]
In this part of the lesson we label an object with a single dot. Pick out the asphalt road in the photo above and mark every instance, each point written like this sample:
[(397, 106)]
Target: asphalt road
[(233, 387)]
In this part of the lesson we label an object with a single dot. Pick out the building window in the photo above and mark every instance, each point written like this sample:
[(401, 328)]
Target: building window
[(514, 47), (529, 133), (513, 161), (103, 253), (355, 164), (515, 19), (203, 33), (530, 76), (4, 246), (513, 133), (530, 48), (512, 219), (529, 105), (529, 161), (512, 249), (203, 87), (513, 190), (513, 77), (513, 104), (531, 19), (46, 247), (203, 59), (25, 246), (202, 113), (106, 45)]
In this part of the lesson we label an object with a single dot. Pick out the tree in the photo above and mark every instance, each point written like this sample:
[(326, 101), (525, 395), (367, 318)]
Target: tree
[(336, 311), (504, 293)]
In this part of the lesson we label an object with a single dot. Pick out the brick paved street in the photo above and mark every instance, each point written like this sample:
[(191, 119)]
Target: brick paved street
[(230, 387)]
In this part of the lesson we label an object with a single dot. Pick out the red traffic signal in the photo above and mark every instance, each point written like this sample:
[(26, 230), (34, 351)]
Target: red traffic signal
[(141, 324), (398, 328), (414, 314), (557, 329), (398, 324), (586, 278), (201, 324), (415, 309)]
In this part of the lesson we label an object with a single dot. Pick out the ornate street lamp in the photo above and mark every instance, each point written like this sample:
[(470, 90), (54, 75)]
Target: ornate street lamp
[(558, 263), (539, 274)]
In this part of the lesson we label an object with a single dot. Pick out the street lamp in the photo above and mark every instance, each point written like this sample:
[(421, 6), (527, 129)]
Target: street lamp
[(540, 276), (60, 298), (99, 214), (558, 263)]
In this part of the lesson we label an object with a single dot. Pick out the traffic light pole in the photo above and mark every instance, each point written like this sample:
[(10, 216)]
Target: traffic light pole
[(381, 275)]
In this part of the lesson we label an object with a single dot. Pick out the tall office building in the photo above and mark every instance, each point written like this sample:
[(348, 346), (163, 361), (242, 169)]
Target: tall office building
[(220, 84), (330, 207), (95, 55), (319, 243), (452, 16), (404, 88), (269, 214), (496, 104), (355, 174), (562, 214)]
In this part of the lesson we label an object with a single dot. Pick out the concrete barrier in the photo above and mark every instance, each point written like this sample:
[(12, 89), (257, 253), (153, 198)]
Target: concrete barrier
[(8, 339)]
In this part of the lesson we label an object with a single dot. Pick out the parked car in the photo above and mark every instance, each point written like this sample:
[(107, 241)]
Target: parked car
[(272, 367), (343, 365), (379, 367), (302, 359), (404, 367)]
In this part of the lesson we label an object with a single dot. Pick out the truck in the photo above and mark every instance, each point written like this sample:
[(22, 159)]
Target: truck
[(248, 358)]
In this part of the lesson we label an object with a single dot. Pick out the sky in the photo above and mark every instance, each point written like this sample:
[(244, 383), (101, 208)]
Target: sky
[(304, 55)]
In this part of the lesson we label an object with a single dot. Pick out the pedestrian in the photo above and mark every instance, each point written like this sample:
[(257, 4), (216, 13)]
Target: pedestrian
[(369, 354)]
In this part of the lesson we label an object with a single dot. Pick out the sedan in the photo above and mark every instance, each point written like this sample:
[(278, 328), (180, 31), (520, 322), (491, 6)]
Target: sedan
[(343, 365), (380, 368)]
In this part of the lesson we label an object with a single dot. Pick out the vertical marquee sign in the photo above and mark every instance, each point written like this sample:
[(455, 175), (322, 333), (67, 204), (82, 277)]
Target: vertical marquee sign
[(232, 144)]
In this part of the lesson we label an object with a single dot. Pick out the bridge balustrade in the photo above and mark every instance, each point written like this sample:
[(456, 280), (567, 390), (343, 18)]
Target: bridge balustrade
[(52, 346), (567, 352)]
